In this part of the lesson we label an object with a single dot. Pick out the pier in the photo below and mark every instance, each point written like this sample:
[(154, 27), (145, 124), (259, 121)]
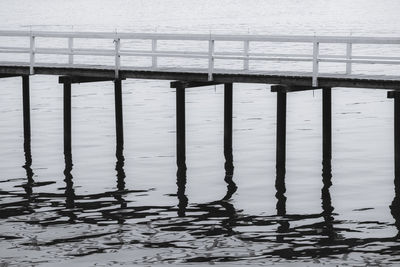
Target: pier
[(204, 72)]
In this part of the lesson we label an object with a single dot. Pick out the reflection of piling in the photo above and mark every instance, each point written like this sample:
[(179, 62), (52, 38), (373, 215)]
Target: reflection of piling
[(69, 186), (182, 198), (27, 166), (327, 208), (119, 167)]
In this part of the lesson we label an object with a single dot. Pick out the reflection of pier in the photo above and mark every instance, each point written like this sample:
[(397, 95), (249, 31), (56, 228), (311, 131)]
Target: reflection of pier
[(283, 83)]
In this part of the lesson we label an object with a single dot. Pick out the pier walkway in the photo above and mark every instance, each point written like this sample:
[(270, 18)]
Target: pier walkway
[(195, 60)]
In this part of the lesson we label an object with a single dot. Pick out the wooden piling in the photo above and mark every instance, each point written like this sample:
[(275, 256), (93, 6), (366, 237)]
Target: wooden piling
[(281, 133), (397, 138), (181, 150), (67, 117), (326, 125), (26, 109), (180, 131), (118, 113), (228, 113)]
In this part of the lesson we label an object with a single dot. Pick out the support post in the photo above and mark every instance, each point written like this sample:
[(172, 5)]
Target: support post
[(395, 206), (67, 117), (396, 97), (228, 114), (26, 109), (397, 139), (118, 113), (180, 131), (326, 126), (281, 134)]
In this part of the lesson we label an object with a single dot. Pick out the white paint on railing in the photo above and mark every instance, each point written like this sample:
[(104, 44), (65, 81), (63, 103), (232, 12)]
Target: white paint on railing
[(31, 54), (211, 46), (154, 53), (347, 57), (315, 64), (117, 43), (70, 50), (246, 46)]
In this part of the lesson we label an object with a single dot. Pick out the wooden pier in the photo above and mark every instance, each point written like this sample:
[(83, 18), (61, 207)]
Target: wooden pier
[(283, 82)]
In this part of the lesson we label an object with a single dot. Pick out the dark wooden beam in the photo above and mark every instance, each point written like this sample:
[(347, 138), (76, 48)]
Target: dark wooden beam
[(8, 75), (219, 78), (83, 79), (190, 84), (291, 88)]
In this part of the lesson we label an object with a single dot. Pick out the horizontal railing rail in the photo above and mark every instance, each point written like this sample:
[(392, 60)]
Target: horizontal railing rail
[(245, 54)]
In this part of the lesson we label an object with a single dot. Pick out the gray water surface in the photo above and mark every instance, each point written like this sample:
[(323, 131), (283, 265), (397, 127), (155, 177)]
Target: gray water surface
[(109, 207)]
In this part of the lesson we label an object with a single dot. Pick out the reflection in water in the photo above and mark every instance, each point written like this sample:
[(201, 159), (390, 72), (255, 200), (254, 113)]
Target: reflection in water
[(214, 231), (281, 202), (395, 206), (119, 167), (327, 208), (182, 198), (69, 188), (231, 186), (27, 166)]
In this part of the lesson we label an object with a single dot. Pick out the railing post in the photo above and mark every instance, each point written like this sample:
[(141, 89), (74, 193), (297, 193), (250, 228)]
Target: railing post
[(70, 51), (246, 46), (210, 59), (315, 63), (31, 54), (154, 51), (348, 57), (117, 43)]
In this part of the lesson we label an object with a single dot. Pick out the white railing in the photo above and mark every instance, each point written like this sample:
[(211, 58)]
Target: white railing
[(348, 58)]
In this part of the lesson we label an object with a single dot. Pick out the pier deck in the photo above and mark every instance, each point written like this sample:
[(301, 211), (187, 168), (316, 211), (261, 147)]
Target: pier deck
[(201, 75), (204, 71)]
